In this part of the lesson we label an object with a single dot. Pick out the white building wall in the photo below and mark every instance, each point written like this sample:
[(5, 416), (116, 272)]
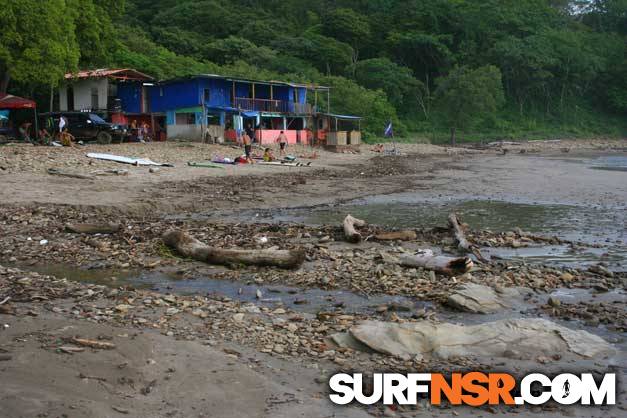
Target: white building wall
[(63, 98), (82, 93), (190, 132)]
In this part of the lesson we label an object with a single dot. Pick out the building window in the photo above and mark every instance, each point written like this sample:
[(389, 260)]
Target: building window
[(207, 96), (94, 98), (213, 119), (185, 118)]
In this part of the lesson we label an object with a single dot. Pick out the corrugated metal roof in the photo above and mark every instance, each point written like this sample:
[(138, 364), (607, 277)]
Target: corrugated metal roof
[(250, 80), (118, 73)]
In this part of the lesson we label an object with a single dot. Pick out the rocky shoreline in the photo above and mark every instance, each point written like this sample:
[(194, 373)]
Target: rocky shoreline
[(36, 237)]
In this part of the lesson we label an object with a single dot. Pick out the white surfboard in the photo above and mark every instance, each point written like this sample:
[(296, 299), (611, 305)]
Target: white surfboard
[(126, 160)]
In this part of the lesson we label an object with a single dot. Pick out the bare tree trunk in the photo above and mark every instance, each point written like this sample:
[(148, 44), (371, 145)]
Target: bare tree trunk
[(460, 236), (421, 102), (51, 97), (4, 81), (451, 266), (189, 246), (350, 232)]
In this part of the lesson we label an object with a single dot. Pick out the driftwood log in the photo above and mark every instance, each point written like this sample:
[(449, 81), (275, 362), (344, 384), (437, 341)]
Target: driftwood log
[(350, 232), (407, 235), (460, 236), (189, 246), (84, 228), (452, 266)]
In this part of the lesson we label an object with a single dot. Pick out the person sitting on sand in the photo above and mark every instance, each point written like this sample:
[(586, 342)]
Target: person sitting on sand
[(44, 136), (378, 148), (66, 138), (268, 155), (24, 131)]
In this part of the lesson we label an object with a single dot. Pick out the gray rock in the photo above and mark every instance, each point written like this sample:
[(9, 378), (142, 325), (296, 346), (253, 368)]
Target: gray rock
[(476, 298), (529, 337)]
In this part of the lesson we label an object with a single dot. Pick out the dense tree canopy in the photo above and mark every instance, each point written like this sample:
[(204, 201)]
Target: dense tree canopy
[(554, 58)]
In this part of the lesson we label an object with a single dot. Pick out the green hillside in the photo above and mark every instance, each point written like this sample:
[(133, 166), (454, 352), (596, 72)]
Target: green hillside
[(488, 68)]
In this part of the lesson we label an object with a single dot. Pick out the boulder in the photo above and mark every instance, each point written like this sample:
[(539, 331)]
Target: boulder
[(524, 339), (476, 298)]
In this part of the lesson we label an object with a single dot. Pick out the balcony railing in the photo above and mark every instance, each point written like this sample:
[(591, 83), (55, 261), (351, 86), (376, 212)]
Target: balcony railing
[(275, 106)]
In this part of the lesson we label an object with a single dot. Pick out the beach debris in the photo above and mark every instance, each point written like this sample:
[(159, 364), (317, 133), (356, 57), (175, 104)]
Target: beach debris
[(89, 228), (101, 345), (460, 236), (189, 246), (350, 232), (452, 266), (404, 235), (57, 172)]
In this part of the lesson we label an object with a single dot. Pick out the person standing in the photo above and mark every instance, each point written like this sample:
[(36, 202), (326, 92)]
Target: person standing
[(251, 132), (282, 140), (62, 124), (247, 147)]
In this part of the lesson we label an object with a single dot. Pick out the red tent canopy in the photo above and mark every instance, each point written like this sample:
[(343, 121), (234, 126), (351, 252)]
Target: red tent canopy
[(9, 101)]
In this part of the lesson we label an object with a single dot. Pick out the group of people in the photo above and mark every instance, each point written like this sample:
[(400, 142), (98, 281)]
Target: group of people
[(46, 133), (247, 142), (141, 131)]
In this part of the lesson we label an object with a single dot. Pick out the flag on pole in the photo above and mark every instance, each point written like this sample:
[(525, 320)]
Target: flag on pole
[(389, 132)]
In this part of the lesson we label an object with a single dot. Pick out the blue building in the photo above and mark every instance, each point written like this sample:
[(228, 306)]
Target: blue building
[(217, 108)]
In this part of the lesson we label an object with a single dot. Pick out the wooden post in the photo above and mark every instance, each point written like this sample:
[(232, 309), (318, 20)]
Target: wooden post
[(328, 102)]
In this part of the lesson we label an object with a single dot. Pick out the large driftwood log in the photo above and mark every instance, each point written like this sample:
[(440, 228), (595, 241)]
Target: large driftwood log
[(460, 236), (83, 228), (350, 232), (189, 246), (451, 266), (407, 235)]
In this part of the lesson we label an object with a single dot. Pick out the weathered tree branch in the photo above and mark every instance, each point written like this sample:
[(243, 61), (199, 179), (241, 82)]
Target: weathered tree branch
[(108, 228), (451, 266), (460, 236), (350, 232), (189, 246), (406, 235)]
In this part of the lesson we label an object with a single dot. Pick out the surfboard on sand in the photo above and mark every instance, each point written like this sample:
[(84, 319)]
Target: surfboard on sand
[(205, 164), (282, 164), (126, 160)]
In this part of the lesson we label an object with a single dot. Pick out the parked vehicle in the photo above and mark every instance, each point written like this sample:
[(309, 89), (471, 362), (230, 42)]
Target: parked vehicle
[(87, 126)]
